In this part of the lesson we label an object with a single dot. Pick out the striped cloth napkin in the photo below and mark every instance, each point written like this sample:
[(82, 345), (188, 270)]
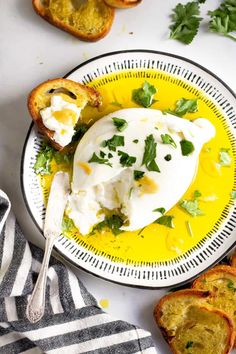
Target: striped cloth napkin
[(73, 322)]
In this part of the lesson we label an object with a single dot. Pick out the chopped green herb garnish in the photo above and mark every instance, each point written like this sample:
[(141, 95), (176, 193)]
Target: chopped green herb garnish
[(191, 206), (130, 191), (67, 225), (140, 231), (231, 286), (167, 139), (144, 95), (160, 210), (120, 124), (62, 158), (168, 157), (110, 155), (138, 175), (150, 154), (117, 104), (135, 141), (99, 160), (233, 194), (189, 344), (113, 223), (80, 130), (188, 225), (102, 154), (125, 159), (116, 140), (197, 194), (44, 157), (187, 147), (223, 19), (224, 156), (166, 220), (186, 22), (185, 105)]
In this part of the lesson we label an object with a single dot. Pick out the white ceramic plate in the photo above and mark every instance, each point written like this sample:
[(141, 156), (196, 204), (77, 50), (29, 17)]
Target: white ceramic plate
[(143, 274)]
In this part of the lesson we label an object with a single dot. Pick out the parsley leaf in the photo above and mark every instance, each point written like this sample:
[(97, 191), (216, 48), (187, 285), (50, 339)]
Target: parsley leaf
[(144, 95), (80, 130), (120, 124), (67, 225), (150, 154), (113, 223), (138, 175), (231, 286), (116, 140), (167, 139), (99, 160), (166, 220), (197, 194), (186, 22), (223, 19), (168, 157), (187, 147), (135, 141), (160, 210), (42, 163), (184, 106), (224, 157), (189, 344), (233, 194), (191, 206), (125, 159)]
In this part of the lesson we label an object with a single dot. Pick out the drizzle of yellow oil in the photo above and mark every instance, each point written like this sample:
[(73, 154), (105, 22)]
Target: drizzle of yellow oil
[(66, 116), (157, 242), (85, 166), (147, 185)]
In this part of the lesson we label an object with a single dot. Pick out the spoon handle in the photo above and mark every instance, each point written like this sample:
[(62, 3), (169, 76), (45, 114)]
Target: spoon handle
[(36, 304)]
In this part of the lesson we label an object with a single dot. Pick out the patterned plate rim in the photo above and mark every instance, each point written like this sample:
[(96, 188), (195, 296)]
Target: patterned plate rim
[(67, 258)]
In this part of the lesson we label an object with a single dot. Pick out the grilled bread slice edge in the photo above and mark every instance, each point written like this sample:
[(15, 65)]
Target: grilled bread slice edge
[(123, 4)]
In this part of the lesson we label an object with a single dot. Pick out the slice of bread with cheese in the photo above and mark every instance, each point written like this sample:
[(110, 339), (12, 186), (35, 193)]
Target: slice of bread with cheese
[(221, 282), (123, 4), (55, 107), (88, 20), (190, 327)]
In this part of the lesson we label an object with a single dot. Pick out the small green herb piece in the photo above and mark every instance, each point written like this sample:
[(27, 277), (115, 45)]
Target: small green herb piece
[(116, 104), (223, 19), (186, 22), (44, 157), (197, 194), (110, 155), (150, 154), (80, 130), (231, 286), (135, 141), (125, 159), (187, 147), (191, 206), (168, 157), (62, 158), (67, 225), (116, 140), (113, 223), (189, 228), (233, 194), (189, 344), (185, 105), (160, 210), (130, 191), (201, 1), (138, 175), (166, 220), (167, 139), (144, 95), (224, 156), (102, 154), (99, 160), (120, 124)]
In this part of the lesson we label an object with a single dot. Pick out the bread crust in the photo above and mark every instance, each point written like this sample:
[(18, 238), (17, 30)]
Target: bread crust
[(123, 4), (90, 96), (42, 12), (201, 306), (233, 260)]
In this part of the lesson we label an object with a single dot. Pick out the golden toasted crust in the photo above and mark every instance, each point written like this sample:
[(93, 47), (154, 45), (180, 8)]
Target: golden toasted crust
[(185, 319), (123, 4), (221, 281), (90, 21), (40, 97), (233, 259)]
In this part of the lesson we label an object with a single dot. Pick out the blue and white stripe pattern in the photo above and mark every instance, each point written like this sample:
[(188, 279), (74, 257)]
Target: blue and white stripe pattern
[(73, 323)]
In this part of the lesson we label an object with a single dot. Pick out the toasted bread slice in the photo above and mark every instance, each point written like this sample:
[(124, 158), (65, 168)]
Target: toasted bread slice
[(190, 327), (88, 20), (73, 92), (221, 281), (123, 4), (233, 259)]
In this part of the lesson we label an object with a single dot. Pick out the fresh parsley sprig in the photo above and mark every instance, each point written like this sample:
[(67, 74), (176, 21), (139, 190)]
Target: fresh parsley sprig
[(150, 154), (120, 124), (186, 22), (100, 160), (144, 95), (223, 19), (184, 106)]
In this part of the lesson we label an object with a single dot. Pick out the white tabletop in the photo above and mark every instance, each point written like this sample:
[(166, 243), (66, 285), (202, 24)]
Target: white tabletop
[(32, 51)]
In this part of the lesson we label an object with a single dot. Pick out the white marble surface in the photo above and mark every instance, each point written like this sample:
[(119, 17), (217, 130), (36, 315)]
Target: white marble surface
[(32, 51)]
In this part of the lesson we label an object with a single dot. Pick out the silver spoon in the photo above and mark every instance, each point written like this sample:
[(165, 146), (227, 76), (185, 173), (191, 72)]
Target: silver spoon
[(52, 229)]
